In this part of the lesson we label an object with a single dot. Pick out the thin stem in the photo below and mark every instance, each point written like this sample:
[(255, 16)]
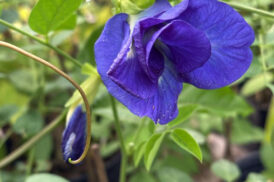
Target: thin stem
[(76, 62), (269, 122), (30, 161), (78, 87), (122, 143), (262, 48), (227, 125), (250, 9), (22, 149)]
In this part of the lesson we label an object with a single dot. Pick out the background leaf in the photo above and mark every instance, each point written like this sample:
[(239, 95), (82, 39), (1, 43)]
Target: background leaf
[(267, 157), (223, 102), (50, 15), (6, 112), (29, 123), (167, 174), (244, 132), (253, 177), (256, 84), (45, 178), (23, 80), (225, 170), (142, 176)]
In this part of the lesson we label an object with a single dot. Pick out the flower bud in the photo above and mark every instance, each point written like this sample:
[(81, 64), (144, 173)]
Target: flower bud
[(74, 135)]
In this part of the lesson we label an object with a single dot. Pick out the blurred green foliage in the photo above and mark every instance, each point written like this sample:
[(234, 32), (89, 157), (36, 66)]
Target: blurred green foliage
[(31, 96)]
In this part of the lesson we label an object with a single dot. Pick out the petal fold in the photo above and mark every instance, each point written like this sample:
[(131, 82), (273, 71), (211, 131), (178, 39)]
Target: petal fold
[(188, 47), (127, 72)]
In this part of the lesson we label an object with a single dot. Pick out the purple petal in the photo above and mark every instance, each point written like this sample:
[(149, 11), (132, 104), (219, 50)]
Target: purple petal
[(188, 47), (142, 34), (157, 8), (147, 22), (124, 68), (127, 72), (163, 10), (175, 11), (162, 107), (164, 103), (110, 42), (74, 135), (230, 37)]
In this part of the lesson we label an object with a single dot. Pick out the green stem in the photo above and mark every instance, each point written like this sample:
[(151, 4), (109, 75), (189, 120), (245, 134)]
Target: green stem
[(122, 143), (59, 51), (21, 150), (269, 122), (250, 9), (30, 162), (262, 48)]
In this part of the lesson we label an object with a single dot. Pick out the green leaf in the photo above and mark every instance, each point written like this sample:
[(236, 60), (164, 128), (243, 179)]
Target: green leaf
[(30, 123), (6, 112), (223, 102), (124, 114), (254, 69), (167, 174), (11, 95), (11, 176), (271, 87), (69, 24), (152, 148), (138, 153), (190, 165), (243, 132), (50, 15), (23, 81), (184, 140), (198, 137), (142, 176), (272, 138), (85, 54), (253, 177), (267, 157), (129, 7), (143, 4), (43, 148), (44, 177), (108, 149), (184, 113), (257, 84), (9, 15), (60, 37), (225, 170)]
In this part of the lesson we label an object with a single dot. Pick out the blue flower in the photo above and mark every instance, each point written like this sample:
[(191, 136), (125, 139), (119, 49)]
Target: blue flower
[(144, 59), (74, 136)]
